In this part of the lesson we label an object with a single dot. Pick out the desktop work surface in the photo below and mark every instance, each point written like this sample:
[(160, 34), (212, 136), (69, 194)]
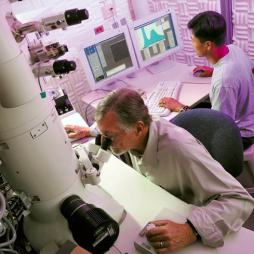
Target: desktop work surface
[(192, 89), (144, 201)]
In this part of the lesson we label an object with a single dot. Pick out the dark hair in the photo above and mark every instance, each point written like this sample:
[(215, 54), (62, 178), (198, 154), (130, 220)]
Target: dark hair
[(209, 26), (128, 106)]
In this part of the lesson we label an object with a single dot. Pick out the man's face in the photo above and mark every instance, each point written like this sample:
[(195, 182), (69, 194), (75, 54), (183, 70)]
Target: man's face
[(122, 140), (199, 47)]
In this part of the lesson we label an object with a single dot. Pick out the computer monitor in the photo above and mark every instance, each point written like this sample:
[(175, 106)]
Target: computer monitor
[(155, 37), (108, 56)]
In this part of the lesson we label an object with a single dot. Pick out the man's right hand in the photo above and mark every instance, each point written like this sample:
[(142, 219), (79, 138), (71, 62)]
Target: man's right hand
[(171, 104), (79, 250), (77, 132), (205, 71), (167, 236)]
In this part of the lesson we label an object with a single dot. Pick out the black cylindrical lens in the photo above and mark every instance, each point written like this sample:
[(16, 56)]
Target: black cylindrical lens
[(63, 66), (91, 227), (75, 16)]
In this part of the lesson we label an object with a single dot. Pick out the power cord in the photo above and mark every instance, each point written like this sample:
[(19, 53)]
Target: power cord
[(90, 105), (14, 235), (5, 228), (8, 251)]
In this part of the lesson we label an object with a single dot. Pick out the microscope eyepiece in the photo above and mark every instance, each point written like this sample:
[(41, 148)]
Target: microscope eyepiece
[(75, 16), (63, 66)]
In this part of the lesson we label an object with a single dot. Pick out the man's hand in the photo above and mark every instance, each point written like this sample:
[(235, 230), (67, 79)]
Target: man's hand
[(205, 71), (77, 132), (168, 236), (79, 250), (171, 104)]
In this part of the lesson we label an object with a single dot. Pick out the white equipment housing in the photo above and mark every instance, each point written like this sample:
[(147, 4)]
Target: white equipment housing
[(37, 157)]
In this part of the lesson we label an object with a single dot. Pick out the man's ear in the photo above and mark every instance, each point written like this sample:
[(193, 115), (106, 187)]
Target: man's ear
[(209, 45), (140, 126)]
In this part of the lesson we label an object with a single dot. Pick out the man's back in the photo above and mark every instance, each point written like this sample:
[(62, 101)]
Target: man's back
[(232, 90)]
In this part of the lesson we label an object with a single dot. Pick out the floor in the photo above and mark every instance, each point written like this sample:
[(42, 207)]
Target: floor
[(246, 178)]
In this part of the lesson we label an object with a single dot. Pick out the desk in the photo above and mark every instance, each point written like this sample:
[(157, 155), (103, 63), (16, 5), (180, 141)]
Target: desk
[(143, 200), (193, 90)]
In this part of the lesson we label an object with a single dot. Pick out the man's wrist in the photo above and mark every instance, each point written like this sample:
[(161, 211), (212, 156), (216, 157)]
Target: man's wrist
[(195, 232), (66, 247), (93, 132)]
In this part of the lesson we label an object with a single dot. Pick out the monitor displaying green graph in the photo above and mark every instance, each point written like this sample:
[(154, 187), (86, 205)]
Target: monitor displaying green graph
[(155, 37)]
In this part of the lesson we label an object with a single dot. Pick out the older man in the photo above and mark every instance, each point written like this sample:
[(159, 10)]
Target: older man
[(172, 158)]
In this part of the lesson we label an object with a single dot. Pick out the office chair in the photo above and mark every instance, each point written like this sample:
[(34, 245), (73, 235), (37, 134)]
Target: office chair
[(218, 133)]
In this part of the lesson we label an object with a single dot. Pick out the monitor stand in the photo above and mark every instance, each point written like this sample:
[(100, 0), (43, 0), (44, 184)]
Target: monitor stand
[(160, 66)]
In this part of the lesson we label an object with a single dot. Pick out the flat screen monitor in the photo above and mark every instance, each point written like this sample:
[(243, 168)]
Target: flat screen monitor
[(155, 37), (108, 56)]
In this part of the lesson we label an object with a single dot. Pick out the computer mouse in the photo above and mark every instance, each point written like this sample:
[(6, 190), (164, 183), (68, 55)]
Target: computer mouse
[(197, 73)]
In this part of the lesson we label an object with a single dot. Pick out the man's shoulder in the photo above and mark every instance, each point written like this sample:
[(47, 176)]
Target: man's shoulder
[(235, 47), (164, 126), (168, 132)]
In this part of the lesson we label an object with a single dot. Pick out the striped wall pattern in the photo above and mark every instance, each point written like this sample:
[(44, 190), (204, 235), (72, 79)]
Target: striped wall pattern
[(243, 23)]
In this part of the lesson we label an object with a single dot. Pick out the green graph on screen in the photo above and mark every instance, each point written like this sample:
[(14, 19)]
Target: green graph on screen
[(151, 34)]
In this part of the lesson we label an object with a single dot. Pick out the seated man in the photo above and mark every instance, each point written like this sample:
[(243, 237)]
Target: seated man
[(172, 158), (232, 84)]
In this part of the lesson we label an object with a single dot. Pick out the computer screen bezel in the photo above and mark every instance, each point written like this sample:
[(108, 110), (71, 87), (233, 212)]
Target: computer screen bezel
[(149, 19), (95, 39)]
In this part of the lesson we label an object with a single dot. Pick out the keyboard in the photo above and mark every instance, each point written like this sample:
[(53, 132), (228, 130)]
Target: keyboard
[(162, 89)]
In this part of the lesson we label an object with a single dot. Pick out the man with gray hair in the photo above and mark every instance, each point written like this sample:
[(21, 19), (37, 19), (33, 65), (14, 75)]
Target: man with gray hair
[(172, 158)]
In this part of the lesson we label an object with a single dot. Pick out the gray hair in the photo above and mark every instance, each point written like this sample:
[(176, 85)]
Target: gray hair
[(128, 106)]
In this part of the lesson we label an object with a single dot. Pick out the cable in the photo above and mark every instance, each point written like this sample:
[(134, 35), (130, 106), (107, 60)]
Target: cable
[(98, 89), (39, 82), (2, 205), (3, 232), (11, 213), (139, 90), (129, 86), (9, 250), (90, 104), (14, 235), (102, 89)]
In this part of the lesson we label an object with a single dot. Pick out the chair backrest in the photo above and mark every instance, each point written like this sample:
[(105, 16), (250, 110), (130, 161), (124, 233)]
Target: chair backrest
[(218, 133)]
